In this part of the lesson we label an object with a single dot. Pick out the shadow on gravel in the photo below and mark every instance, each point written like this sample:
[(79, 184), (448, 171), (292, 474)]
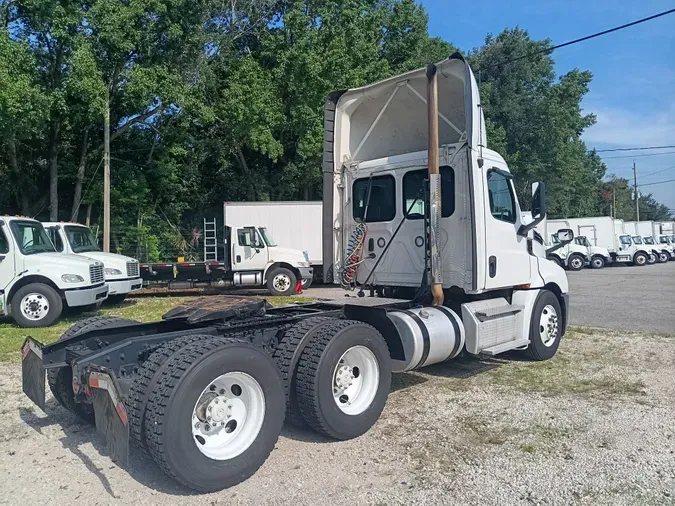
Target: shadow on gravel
[(467, 367), (78, 433)]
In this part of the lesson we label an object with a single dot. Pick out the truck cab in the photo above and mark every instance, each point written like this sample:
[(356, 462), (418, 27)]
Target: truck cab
[(632, 249), (599, 257), (121, 272), (573, 256), (37, 282), (256, 259)]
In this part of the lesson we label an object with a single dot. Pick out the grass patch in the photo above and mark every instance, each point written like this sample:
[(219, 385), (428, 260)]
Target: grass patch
[(143, 309)]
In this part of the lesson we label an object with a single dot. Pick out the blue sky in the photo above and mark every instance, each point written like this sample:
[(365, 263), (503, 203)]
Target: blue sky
[(633, 88)]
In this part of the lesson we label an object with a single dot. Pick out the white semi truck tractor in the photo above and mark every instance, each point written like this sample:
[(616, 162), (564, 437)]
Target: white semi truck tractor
[(122, 273), (452, 271), (37, 283)]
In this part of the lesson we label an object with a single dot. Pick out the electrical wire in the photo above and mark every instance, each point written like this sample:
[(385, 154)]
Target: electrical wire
[(632, 149), (581, 39), (354, 256), (637, 156), (657, 182)]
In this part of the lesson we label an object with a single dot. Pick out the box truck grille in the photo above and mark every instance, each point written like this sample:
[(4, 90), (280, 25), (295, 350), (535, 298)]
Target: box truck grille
[(96, 273), (132, 269)]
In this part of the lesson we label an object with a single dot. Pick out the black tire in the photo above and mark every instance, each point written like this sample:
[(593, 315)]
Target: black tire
[(663, 257), (537, 350), (652, 259), (43, 292), (576, 262), (287, 354), (640, 259), (188, 372), (61, 380), (118, 298), (597, 262), (314, 383), (556, 261), (145, 382), (289, 281), (306, 283)]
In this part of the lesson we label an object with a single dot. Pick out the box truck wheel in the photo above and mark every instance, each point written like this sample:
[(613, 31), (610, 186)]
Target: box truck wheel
[(663, 257), (598, 262), (36, 305), (652, 259), (215, 415), (640, 259), (61, 380), (287, 354), (343, 379), (576, 262), (545, 327), (281, 281)]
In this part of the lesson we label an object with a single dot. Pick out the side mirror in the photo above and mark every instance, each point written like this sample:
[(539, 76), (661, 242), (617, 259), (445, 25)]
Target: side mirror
[(538, 208), (565, 236), (538, 200)]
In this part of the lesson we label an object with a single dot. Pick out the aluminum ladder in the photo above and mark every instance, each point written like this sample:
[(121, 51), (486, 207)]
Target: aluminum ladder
[(210, 240)]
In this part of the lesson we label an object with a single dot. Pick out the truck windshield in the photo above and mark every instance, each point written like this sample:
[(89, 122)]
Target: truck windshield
[(649, 240), (554, 239), (31, 237), (664, 239), (625, 239), (267, 237), (80, 239), (637, 239)]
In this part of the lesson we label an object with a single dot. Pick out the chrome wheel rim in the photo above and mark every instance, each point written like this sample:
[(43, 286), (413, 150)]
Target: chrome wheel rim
[(34, 306), (548, 325), (576, 263), (281, 282)]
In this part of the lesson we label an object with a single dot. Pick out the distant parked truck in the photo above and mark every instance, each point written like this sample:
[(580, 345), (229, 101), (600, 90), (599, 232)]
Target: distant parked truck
[(121, 272), (570, 255), (36, 282), (248, 256), (598, 254), (641, 231)]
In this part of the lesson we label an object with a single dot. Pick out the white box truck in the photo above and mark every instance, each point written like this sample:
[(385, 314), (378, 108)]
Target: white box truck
[(121, 273), (585, 236), (642, 230), (662, 232), (36, 282), (209, 402)]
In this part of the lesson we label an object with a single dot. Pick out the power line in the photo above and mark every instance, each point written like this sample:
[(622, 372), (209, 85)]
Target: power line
[(637, 156), (648, 174), (658, 182), (582, 39), (633, 149)]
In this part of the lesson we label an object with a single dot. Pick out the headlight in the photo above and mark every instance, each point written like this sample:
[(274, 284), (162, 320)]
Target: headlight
[(303, 264), (72, 278), (109, 271)]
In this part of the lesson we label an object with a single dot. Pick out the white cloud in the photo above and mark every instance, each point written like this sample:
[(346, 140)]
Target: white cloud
[(623, 128)]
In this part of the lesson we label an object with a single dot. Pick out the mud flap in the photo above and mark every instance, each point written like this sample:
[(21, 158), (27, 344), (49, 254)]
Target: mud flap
[(111, 415), (33, 372)]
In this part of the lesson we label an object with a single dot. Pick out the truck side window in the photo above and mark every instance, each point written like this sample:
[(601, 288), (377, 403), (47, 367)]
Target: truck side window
[(249, 237), (382, 205), (4, 243), (414, 187), (502, 203), (56, 238)]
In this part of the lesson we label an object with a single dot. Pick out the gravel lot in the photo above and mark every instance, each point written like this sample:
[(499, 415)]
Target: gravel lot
[(593, 426)]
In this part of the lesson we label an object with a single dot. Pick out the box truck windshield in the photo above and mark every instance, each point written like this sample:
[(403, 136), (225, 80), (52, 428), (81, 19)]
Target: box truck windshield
[(81, 239), (31, 237), (267, 237), (649, 240), (625, 239), (637, 239)]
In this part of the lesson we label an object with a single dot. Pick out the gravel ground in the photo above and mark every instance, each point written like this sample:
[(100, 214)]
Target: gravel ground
[(593, 426)]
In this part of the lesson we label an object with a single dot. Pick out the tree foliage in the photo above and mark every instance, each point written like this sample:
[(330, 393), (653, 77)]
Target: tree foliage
[(212, 101)]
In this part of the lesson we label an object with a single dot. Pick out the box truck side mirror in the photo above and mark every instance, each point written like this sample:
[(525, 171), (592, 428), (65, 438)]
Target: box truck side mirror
[(565, 236), (538, 208)]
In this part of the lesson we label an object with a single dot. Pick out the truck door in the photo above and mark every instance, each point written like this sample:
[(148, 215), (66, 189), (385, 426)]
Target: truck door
[(6, 259), (54, 234), (248, 250), (508, 261)]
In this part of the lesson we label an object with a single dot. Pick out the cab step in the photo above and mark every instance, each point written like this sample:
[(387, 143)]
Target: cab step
[(501, 348), (493, 326)]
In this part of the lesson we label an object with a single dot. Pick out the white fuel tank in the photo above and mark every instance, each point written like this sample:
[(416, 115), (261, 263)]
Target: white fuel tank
[(429, 335)]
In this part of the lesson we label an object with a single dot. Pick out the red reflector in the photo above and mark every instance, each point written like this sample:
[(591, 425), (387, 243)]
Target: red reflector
[(298, 287), (122, 413)]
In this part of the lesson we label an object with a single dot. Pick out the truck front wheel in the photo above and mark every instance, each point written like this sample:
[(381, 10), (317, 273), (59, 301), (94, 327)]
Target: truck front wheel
[(343, 379), (640, 259), (215, 415), (576, 263), (663, 257), (652, 259), (598, 262), (281, 281), (545, 327), (36, 305)]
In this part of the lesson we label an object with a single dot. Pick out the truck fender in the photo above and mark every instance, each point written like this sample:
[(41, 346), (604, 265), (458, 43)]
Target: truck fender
[(25, 280), (275, 265)]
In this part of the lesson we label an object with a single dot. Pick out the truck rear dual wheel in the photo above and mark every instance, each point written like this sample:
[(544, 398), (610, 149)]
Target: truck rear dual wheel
[(343, 378), (61, 380), (36, 305), (215, 413)]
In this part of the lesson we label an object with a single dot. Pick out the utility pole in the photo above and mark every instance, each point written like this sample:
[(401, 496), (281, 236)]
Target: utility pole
[(106, 174), (613, 213), (637, 194)]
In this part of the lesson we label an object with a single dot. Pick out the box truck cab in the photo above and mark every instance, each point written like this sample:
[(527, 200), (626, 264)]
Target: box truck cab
[(599, 256), (666, 242), (661, 251), (36, 282), (571, 256), (121, 272)]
